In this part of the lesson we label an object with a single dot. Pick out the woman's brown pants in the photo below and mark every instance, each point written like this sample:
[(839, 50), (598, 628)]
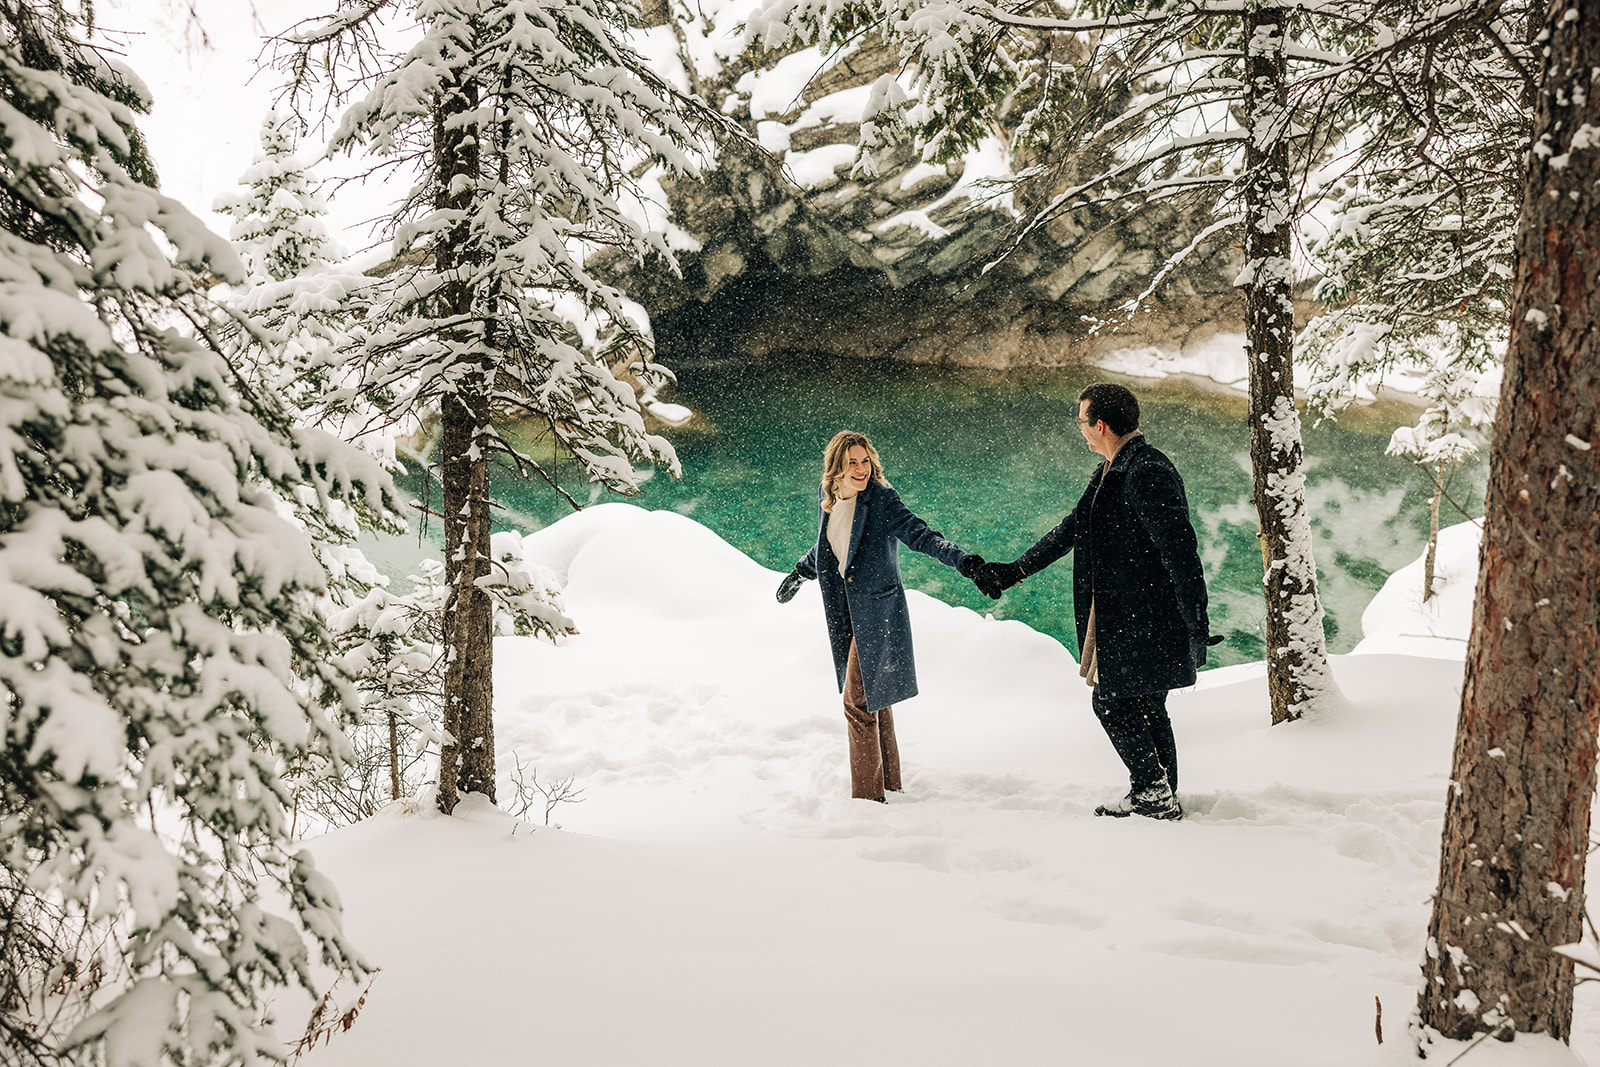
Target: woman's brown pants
[(874, 756)]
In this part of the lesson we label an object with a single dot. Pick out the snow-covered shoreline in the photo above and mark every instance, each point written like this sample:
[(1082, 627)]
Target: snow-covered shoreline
[(1219, 360)]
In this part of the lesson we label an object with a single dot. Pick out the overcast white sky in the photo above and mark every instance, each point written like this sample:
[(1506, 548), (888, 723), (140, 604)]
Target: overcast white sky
[(199, 59)]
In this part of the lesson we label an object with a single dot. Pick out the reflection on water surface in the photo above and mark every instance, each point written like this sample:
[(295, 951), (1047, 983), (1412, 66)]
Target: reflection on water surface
[(995, 460)]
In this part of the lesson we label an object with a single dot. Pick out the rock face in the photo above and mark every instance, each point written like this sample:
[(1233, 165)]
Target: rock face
[(787, 253)]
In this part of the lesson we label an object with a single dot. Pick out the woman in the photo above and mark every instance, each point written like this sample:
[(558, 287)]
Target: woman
[(857, 558)]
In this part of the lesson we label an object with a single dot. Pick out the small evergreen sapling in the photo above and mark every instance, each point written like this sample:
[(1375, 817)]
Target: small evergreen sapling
[(390, 644), (302, 309), (1446, 436)]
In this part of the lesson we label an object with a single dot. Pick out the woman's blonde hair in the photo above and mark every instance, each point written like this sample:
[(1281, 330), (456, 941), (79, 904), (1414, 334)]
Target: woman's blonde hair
[(834, 458)]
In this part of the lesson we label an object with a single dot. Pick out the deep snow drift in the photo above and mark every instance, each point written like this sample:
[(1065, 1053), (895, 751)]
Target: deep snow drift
[(718, 899)]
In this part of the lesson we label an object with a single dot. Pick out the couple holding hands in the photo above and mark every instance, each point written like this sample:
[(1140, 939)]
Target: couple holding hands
[(1138, 590)]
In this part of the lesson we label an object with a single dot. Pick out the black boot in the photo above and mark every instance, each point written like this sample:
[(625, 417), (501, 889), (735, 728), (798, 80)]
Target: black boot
[(1153, 802)]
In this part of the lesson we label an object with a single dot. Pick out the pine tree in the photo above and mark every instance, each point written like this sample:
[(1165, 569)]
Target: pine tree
[(303, 311), (1517, 818), (160, 656), (279, 220), (298, 314), (305, 306), (524, 120), (1447, 435)]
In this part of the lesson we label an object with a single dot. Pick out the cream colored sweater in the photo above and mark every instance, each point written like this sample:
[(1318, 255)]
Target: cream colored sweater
[(840, 519)]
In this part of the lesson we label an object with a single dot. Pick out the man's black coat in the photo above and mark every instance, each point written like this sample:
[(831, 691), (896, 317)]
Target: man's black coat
[(1136, 558)]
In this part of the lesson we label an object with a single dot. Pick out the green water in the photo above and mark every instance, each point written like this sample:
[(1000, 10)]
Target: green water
[(995, 460)]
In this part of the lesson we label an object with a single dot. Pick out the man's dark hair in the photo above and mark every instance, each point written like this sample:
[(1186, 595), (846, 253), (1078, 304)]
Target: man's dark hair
[(1116, 404)]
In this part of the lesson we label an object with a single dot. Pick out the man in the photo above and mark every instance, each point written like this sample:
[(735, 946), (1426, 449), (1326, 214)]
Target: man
[(1139, 595)]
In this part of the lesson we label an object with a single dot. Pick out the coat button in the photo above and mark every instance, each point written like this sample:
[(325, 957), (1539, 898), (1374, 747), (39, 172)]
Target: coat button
[(851, 578)]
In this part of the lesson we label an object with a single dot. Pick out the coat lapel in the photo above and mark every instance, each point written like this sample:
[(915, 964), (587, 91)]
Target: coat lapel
[(863, 504)]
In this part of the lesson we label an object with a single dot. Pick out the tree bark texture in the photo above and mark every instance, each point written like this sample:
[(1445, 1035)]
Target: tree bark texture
[(1516, 833), (467, 758), (1297, 657)]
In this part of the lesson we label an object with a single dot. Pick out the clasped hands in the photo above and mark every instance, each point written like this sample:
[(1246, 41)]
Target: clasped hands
[(992, 579)]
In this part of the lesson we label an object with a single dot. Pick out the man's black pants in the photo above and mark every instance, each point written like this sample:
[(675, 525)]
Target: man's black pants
[(1141, 733)]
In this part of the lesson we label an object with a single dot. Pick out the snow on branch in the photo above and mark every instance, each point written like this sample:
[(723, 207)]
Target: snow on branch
[(1177, 259), (1069, 198), (352, 16)]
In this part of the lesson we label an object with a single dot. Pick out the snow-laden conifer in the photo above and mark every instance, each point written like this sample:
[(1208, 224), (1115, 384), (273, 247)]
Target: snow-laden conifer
[(523, 121), (1447, 435), (305, 305), (280, 220), (299, 313), (160, 656), (303, 312)]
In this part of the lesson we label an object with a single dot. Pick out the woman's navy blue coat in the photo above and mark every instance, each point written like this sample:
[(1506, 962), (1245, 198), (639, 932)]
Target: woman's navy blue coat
[(870, 601), (1136, 558)]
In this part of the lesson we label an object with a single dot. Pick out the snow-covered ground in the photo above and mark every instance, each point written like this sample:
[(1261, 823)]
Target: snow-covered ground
[(717, 898)]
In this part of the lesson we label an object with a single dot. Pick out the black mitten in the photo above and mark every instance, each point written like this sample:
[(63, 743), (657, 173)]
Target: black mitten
[(993, 579), (791, 585), (1200, 647), (969, 566)]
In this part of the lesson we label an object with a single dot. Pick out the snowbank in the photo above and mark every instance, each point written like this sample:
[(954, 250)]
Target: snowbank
[(1397, 619), (716, 898)]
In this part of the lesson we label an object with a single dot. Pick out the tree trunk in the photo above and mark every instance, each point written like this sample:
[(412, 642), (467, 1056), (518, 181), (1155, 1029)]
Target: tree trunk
[(1431, 555), (1297, 657), (466, 763), (394, 756), (1516, 830)]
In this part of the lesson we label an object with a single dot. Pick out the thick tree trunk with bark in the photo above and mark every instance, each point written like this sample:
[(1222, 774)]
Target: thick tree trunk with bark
[(467, 759), (1297, 657), (1516, 834)]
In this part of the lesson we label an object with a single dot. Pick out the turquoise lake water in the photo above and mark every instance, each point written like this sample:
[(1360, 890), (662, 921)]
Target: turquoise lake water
[(994, 461)]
